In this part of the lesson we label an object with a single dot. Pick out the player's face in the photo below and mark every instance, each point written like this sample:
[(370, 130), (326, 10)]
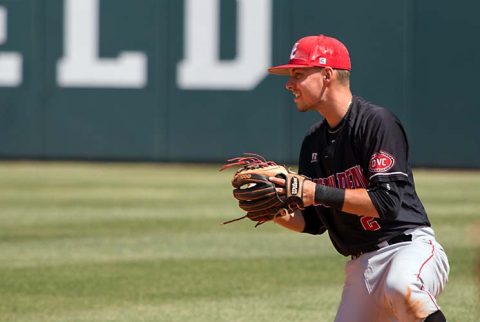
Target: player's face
[(307, 87)]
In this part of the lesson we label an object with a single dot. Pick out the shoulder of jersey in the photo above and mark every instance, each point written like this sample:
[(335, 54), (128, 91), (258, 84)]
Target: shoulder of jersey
[(372, 112), (314, 128)]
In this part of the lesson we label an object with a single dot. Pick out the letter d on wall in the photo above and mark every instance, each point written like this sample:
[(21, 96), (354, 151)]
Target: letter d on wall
[(201, 67)]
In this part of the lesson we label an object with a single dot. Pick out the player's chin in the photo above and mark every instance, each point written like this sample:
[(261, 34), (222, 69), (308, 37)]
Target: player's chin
[(302, 108)]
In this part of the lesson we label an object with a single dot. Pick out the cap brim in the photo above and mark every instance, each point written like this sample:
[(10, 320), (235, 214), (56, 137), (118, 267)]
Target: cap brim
[(284, 70)]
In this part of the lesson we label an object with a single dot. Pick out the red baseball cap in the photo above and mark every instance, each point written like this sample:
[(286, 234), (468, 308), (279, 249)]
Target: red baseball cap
[(315, 51)]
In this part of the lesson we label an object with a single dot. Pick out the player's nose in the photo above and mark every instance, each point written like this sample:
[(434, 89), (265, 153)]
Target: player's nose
[(289, 84)]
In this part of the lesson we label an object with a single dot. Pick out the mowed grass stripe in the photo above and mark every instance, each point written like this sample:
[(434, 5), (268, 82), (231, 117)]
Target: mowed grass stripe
[(143, 242), (58, 250), (86, 286)]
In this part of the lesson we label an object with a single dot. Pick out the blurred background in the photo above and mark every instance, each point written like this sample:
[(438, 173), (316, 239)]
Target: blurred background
[(170, 80), (162, 91)]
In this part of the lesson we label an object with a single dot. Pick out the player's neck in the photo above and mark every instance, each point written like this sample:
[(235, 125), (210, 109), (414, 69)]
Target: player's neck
[(337, 107)]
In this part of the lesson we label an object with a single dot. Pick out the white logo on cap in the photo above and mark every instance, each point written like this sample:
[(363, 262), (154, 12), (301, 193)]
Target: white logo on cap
[(294, 50), (322, 60)]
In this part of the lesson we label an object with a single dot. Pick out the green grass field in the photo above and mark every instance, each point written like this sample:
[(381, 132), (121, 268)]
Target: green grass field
[(143, 242)]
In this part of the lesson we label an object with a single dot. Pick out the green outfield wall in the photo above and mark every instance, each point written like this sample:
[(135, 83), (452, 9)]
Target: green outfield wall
[(172, 80)]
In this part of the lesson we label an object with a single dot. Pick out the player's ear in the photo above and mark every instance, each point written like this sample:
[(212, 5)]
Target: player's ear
[(327, 73)]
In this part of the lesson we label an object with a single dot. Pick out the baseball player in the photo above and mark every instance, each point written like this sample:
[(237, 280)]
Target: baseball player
[(362, 193)]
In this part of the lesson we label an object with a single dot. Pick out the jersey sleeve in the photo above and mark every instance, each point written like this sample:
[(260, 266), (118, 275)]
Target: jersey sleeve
[(384, 148)]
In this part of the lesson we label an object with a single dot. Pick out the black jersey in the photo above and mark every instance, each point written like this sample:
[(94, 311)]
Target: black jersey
[(368, 148)]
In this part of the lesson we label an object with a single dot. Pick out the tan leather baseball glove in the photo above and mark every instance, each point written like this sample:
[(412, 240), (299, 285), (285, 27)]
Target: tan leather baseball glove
[(257, 195)]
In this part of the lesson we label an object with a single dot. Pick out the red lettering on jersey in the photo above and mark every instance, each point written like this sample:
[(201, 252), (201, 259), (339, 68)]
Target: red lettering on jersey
[(356, 174), (344, 181), (369, 223), (381, 162), (349, 179), (319, 181), (352, 178), (331, 181)]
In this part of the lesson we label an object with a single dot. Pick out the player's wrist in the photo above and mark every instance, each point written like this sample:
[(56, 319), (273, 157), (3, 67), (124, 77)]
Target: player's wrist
[(328, 196), (308, 193)]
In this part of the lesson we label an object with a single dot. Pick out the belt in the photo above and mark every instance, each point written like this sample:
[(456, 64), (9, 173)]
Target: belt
[(395, 240)]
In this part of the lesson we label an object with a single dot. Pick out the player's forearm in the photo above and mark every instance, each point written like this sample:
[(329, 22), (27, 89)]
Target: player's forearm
[(294, 221), (353, 201), (358, 202)]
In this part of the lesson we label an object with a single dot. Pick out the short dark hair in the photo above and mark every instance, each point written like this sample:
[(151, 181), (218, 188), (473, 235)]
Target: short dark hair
[(343, 76)]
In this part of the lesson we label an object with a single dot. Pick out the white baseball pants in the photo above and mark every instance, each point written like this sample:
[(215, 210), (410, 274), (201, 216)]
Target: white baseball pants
[(398, 283)]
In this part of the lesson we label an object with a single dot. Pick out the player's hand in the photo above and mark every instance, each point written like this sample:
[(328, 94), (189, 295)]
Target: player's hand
[(280, 183), (308, 195)]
